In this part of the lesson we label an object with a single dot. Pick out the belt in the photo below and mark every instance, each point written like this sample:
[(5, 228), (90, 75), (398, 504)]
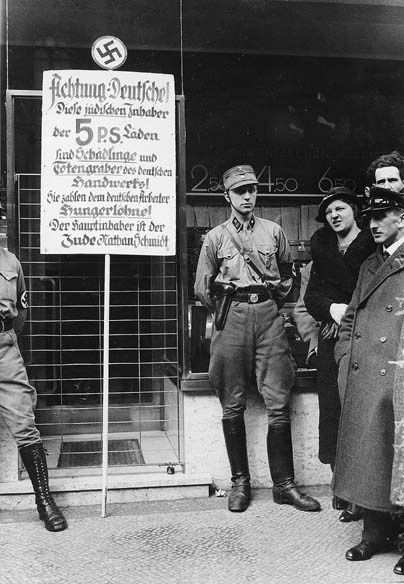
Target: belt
[(251, 295), (5, 325)]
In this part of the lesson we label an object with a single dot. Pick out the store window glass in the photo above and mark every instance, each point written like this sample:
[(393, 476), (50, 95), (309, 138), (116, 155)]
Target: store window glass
[(62, 341), (305, 125)]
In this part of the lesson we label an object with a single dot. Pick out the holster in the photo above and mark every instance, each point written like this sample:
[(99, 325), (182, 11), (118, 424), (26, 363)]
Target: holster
[(222, 295)]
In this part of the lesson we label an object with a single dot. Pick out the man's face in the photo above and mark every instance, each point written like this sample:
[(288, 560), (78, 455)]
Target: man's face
[(389, 178), (243, 198), (387, 226)]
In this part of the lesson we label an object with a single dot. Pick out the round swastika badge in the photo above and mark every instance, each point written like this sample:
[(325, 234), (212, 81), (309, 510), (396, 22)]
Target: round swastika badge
[(109, 52)]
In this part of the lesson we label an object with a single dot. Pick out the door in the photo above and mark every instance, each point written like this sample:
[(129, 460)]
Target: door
[(62, 339)]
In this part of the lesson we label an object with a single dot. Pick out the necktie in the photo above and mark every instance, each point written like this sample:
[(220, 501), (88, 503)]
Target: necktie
[(385, 255)]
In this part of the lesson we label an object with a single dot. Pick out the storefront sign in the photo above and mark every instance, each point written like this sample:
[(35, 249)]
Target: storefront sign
[(108, 163)]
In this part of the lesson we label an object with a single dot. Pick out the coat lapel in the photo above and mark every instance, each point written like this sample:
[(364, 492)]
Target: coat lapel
[(379, 270)]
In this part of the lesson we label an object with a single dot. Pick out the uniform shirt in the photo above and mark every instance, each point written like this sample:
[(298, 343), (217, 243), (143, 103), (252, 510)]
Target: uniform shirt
[(13, 295), (220, 260)]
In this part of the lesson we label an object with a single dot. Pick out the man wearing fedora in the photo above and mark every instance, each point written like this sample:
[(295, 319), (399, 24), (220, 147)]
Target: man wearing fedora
[(369, 462), (244, 273)]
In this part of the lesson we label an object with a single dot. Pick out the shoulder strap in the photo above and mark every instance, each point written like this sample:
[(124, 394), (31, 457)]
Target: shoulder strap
[(245, 255)]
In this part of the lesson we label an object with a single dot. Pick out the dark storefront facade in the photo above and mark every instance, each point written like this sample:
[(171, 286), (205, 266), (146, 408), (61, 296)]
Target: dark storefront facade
[(307, 92)]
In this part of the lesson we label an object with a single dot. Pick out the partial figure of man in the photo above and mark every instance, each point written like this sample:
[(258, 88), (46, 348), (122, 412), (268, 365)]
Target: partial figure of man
[(370, 356), (17, 396), (244, 273)]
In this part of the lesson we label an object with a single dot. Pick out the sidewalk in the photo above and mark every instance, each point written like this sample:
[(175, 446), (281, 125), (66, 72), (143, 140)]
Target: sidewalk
[(190, 542)]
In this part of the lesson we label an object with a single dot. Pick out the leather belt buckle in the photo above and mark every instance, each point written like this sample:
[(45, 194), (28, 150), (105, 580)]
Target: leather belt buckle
[(253, 298)]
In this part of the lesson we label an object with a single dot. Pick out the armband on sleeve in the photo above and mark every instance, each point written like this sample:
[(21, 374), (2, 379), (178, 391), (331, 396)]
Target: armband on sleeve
[(23, 301)]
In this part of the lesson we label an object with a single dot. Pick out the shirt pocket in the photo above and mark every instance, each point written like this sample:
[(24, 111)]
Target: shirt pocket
[(267, 254), (8, 285), (228, 258)]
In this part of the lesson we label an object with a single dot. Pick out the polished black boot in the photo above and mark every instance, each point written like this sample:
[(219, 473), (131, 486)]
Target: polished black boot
[(365, 550), (236, 445), (34, 459), (399, 567), (280, 458), (339, 504), (351, 513)]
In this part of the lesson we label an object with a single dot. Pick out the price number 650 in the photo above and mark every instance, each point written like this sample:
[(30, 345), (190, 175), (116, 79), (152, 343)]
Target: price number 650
[(326, 183)]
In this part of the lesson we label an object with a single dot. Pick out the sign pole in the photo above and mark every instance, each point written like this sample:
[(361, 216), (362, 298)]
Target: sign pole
[(108, 172), (105, 392)]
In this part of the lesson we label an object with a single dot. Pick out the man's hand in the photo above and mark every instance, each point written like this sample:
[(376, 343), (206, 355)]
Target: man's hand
[(337, 311)]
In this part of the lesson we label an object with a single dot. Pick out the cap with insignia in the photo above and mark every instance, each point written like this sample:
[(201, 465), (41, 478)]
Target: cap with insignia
[(380, 199), (238, 176)]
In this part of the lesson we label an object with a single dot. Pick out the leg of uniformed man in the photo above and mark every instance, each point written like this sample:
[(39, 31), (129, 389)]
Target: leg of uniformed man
[(379, 531), (17, 406), (230, 371), (275, 378)]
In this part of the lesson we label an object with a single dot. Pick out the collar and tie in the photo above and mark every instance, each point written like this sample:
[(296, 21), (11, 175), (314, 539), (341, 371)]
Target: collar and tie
[(385, 255)]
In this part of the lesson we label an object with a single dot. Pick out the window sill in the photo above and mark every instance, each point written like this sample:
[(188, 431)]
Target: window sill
[(199, 382)]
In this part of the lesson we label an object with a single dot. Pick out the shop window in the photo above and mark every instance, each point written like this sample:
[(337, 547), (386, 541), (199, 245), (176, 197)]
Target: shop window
[(298, 222)]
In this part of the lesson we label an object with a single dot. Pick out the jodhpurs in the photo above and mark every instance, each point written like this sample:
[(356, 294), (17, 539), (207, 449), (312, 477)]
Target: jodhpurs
[(253, 342), (17, 396)]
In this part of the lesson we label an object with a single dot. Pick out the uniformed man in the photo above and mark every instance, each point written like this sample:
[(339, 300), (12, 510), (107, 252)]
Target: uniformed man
[(245, 268), (17, 396), (369, 462)]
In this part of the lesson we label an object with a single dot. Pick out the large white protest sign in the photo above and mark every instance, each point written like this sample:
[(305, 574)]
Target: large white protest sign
[(108, 163)]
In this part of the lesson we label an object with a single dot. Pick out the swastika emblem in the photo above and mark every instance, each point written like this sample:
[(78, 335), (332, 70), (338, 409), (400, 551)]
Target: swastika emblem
[(109, 52)]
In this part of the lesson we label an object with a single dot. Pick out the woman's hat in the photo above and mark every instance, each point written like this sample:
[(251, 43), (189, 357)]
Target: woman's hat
[(333, 195)]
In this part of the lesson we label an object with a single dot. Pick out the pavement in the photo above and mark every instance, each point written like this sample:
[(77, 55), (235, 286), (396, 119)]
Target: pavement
[(196, 541)]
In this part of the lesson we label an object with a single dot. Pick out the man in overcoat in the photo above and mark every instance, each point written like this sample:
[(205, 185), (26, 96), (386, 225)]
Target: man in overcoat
[(370, 359)]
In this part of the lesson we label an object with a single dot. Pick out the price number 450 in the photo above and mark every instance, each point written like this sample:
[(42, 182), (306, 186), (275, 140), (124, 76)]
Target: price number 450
[(212, 184)]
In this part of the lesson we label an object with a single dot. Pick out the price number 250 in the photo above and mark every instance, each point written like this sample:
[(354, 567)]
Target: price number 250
[(212, 184)]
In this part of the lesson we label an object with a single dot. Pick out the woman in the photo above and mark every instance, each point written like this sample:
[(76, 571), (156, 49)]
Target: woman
[(338, 251)]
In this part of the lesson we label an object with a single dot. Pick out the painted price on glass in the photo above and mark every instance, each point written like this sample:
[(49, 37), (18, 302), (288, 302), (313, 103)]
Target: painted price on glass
[(326, 183), (204, 183)]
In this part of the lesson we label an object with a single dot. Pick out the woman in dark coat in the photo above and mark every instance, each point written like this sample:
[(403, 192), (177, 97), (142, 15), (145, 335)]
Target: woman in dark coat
[(338, 251)]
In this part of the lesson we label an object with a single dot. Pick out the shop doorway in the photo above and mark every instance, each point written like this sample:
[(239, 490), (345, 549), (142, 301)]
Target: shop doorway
[(62, 339)]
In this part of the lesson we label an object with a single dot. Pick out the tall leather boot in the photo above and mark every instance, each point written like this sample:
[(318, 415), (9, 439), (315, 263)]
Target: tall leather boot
[(236, 445), (280, 458), (34, 459)]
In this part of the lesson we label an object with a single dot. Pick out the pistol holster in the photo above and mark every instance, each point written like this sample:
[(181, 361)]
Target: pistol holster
[(222, 295)]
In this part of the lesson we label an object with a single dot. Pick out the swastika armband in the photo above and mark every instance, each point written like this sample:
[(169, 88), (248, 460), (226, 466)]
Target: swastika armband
[(24, 300)]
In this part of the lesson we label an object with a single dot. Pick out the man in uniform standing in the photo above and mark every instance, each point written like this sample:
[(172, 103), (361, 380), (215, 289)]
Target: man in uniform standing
[(368, 470), (17, 396), (245, 267)]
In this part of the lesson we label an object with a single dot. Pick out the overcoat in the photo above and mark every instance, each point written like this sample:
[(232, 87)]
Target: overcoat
[(367, 354)]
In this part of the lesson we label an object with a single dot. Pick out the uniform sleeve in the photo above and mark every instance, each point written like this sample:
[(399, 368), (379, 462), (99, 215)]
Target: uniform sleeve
[(285, 266), (306, 325), (22, 301), (206, 271)]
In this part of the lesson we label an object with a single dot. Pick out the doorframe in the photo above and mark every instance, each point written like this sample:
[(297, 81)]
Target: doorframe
[(12, 207), (181, 239)]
